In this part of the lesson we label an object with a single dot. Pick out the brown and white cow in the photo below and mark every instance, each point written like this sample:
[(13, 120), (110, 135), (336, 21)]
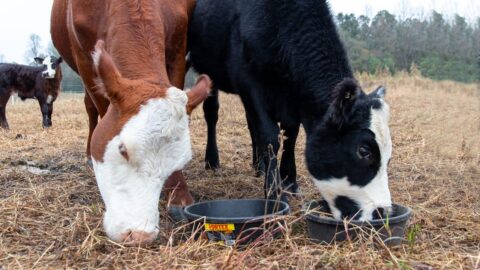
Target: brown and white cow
[(37, 82), (131, 57)]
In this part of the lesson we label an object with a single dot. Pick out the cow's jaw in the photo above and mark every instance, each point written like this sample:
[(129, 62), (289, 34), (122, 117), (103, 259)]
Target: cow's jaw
[(157, 143), (366, 199)]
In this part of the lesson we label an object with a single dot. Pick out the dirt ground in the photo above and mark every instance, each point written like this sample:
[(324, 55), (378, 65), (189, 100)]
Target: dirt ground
[(51, 210)]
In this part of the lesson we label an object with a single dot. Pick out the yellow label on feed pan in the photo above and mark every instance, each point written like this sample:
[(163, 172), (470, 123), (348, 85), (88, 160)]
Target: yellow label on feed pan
[(211, 227)]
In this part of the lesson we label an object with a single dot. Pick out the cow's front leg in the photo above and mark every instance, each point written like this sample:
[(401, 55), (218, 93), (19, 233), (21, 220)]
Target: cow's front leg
[(92, 113), (46, 112), (178, 196), (265, 132), (288, 169), (210, 110), (258, 164), (3, 116), (268, 145)]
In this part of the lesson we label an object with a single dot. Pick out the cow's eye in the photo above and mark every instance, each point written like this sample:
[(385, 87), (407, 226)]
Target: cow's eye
[(364, 152), (53, 66)]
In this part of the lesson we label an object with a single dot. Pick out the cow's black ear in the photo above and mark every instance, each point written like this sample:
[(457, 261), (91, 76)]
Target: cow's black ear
[(345, 95), (38, 60), (59, 60)]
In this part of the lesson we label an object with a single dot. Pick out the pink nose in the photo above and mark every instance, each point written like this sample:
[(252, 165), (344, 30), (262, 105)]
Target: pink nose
[(138, 238)]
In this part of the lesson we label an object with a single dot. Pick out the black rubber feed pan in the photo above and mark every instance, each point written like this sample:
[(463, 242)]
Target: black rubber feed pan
[(323, 228), (237, 222)]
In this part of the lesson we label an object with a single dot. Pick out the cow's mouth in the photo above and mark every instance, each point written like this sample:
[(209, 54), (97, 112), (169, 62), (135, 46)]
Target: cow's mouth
[(47, 76), (47, 122)]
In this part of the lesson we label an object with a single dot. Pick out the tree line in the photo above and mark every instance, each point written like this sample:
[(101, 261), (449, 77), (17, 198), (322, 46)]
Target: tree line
[(440, 49)]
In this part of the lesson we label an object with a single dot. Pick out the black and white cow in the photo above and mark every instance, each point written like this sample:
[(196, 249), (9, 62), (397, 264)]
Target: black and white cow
[(286, 61), (38, 82)]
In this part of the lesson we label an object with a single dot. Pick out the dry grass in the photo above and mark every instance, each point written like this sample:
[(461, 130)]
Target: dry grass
[(53, 220)]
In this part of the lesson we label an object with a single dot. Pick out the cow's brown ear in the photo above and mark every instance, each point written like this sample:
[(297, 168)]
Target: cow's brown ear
[(199, 92), (107, 71)]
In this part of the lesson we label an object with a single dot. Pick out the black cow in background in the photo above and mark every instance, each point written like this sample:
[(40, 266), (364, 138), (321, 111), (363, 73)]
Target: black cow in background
[(37, 82), (286, 61)]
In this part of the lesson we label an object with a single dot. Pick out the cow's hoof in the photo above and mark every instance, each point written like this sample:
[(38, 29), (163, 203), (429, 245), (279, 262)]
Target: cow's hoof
[(212, 165), (282, 197), (212, 160), (297, 193), (177, 214), (259, 173), (90, 164), (259, 170), (294, 191)]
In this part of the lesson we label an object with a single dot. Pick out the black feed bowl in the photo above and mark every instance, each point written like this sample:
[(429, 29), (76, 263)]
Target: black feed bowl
[(326, 230), (237, 222)]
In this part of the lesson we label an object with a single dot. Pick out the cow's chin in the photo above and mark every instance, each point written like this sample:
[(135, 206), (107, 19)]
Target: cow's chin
[(131, 202), (358, 203), (48, 75)]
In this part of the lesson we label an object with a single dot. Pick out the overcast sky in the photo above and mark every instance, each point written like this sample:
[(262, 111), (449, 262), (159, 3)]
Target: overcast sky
[(20, 18)]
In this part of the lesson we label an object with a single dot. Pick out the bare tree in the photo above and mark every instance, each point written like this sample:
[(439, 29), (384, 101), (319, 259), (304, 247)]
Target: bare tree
[(51, 50), (34, 48), (404, 9)]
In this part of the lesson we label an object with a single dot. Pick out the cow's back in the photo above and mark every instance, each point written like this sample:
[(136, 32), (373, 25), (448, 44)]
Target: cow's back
[(6, 76), (231, 37), (212, 30), (290, 50), (236, 43), (20, 78)]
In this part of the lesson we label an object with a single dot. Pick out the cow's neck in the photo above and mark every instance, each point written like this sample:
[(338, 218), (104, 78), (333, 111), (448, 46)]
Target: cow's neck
[(317, 61), (317, 90), (136, 42)]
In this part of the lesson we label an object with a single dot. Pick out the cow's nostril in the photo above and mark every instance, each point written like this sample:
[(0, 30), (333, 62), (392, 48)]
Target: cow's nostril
[(138, 238), (379, 213), (382, 212)]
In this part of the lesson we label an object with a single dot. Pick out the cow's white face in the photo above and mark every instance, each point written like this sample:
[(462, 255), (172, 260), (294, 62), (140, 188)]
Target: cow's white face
[(50, 64), (150, 147), (348, 154)]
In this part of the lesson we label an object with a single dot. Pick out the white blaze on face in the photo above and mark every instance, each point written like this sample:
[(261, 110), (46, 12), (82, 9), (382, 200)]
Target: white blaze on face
[(376, 193), (379, 126), (157, 142), (49, 73)]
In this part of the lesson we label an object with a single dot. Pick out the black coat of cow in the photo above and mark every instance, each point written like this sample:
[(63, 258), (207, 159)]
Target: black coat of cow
[(285, 60), (37, 82)]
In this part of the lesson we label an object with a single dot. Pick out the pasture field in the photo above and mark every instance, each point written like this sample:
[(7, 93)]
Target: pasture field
[(51, 210)]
